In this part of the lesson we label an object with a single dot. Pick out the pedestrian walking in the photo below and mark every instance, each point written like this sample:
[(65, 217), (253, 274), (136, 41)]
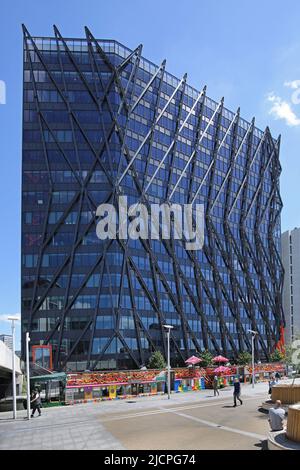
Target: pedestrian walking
[(236, 391), (35, 402), (216, 385), (277, 376), (277, 417)]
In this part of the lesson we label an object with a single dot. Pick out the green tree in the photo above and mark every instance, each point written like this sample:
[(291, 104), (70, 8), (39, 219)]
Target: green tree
[(206, 357), (157, 361), (276, 356), (244, 358), (288, 354)]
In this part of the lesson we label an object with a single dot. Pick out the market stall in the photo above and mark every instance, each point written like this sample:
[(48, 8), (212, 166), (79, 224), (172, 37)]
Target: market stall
[(111, 385), (189, 379), (100, 386), (263, 372)]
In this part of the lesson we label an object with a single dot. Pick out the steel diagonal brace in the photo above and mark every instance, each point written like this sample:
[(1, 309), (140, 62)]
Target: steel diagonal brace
[(261, 179), (197, 145), (150, 131), (173, 142), (80, 336), (236, 116), (64, 99), (235, 157), (137, 51), (150, 141), (161, 68), (176, 132), (131, 79), (246, 176)]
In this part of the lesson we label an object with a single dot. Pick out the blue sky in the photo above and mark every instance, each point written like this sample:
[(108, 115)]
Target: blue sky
[(247, 51)]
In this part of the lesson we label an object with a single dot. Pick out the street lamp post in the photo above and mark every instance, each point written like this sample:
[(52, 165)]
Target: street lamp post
[(13, 319), (28, 375), (253, 334), (168, 328)]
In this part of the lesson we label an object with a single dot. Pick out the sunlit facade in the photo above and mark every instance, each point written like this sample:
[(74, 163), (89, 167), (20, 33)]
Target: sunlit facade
[(100, 121)]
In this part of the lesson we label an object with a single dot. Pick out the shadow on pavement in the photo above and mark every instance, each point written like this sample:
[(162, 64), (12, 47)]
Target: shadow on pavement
[(262, 410), (263, 445)]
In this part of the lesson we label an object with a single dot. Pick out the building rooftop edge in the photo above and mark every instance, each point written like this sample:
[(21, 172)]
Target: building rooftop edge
[(114, 41)]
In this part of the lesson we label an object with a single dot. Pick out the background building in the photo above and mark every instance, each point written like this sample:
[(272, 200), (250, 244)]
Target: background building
[(6, 360), (290, 245), (7, 340), (102, 121)]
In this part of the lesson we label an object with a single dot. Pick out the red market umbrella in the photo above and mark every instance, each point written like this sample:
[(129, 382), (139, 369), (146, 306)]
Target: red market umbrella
[(220, 359), (222, 370), (193, 360)]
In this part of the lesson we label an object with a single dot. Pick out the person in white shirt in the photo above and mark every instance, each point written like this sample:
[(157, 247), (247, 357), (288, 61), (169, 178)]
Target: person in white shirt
[(276, 417)]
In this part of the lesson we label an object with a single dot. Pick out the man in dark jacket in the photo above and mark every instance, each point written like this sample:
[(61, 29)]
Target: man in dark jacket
[(236, 391), (35, 402)]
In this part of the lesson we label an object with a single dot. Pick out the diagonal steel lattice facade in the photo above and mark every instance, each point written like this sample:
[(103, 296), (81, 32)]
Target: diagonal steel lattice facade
[(100, 121)]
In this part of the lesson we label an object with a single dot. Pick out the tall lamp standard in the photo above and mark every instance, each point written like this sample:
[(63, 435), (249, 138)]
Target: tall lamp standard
[(169, 328), (27, 375), (253, 334), (13, 319)]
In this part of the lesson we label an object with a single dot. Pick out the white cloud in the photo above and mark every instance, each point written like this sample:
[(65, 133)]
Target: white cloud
[(294, 84), (281, 109), (4, 317)]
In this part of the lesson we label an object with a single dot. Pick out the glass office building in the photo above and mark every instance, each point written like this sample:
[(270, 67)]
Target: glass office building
[(100, 121)]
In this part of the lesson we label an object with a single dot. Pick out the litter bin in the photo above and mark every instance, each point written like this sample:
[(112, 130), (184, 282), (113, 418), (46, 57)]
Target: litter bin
[(176, 385)]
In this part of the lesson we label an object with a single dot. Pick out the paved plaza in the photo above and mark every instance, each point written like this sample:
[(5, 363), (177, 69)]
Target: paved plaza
[(192, 420)]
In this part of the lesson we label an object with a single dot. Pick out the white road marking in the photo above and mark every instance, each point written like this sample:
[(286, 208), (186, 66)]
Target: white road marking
[(221, 427), (171, 410)]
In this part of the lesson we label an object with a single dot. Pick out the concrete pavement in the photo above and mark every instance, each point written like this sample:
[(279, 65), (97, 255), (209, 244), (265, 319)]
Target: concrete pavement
[(192, 420)]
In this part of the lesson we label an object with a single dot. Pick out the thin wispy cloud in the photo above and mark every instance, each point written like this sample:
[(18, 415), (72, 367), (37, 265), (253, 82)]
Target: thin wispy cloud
[(281, 109)]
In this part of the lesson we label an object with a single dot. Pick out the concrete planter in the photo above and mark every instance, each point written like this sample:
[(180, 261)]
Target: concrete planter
[(293, 423), (288, 394)]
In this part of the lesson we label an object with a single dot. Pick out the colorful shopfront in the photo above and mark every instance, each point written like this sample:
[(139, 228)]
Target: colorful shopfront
[(224, 379), (83, 387), (189, 379), (100, 386), (263, 372)]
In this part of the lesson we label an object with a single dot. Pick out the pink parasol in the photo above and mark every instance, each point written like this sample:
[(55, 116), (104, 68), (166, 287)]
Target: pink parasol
[(193, 360), (220, 359), (222, 370)]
